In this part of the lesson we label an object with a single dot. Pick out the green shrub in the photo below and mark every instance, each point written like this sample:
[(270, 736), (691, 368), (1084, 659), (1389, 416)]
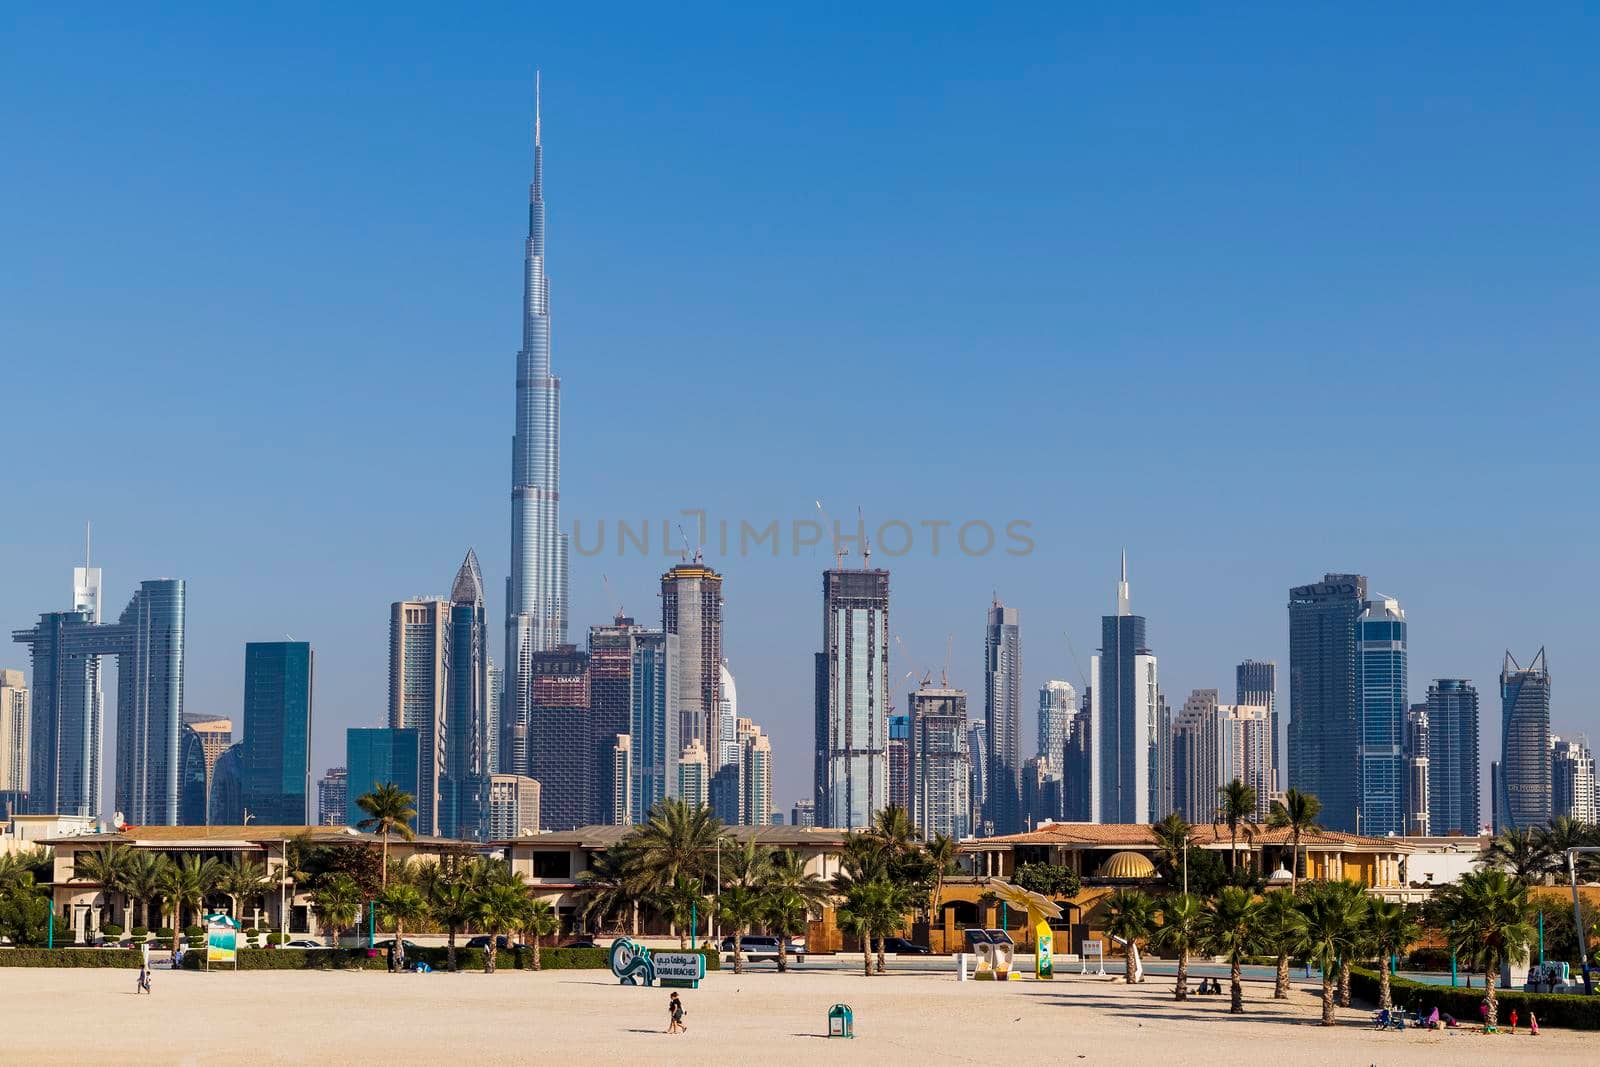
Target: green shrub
[(111, 931), (194, 931), (164, 933), (1428, 958), (139, 933), (69, 957), (278, 938), (1553, 1009)]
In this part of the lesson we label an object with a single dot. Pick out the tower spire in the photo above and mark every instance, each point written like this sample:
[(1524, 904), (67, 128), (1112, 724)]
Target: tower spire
[(537, 92), (1123, 607)]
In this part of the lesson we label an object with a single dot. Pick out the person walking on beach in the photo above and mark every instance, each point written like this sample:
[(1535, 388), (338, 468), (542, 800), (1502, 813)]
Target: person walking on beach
[(143, 984), (675, 1015)]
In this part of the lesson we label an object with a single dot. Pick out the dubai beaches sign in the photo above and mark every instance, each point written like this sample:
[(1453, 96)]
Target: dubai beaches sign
[(633, 964)]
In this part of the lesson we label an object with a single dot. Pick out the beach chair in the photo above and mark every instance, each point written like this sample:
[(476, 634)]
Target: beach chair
[(1380, 1021)]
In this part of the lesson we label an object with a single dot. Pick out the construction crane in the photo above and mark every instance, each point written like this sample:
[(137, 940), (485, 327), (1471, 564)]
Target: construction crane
[(611, 595), (839, 551)]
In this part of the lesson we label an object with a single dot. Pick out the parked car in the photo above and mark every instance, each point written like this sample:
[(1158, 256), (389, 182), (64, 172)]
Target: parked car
[(901, 946), (581, 942), (760, 947), (306, 942), (383, 946), (501, 942)]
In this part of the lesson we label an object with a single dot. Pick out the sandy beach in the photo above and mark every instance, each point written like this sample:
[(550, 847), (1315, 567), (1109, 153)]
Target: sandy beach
[(83, 1017)]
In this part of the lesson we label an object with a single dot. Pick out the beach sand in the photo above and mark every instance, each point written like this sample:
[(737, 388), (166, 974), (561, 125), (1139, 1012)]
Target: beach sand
[(92, 1016)]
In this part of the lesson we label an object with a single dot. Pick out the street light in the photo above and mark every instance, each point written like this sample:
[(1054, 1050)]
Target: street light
[(1577, 913)]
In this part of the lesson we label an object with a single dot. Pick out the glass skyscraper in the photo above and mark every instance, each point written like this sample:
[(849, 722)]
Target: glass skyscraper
[(374, 757), (1522, 788), (1256, 685), (940, 767), (1384, 705), (1058, 705), (1325, 694), (464, 786), (1124, 717), (1002, 714), (1454, 770), (276, 751), (654, 695), (193, 781), (852, 699)]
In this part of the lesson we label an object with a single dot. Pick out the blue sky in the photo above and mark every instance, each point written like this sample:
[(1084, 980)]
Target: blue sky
[(1255, 294)]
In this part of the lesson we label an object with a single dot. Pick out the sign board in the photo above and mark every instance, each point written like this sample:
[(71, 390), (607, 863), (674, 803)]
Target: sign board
[(222, 941), (682, 969), (1095, 948), (1044, 966)]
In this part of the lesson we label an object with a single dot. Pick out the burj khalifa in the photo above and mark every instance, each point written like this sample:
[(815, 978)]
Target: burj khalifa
[(536, 591)]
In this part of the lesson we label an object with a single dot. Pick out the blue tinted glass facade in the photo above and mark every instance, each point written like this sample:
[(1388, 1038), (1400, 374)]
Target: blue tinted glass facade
[(226, 806), (278, 677), (1384, 704), (1453, 758), (377, 757), (192, 781)]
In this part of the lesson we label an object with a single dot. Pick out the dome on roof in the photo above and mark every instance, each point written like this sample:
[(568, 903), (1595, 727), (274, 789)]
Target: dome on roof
[(1131, 866), (1281, 876)]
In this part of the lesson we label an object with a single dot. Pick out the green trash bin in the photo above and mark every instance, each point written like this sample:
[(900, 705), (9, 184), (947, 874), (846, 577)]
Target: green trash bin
[(841, 1021)]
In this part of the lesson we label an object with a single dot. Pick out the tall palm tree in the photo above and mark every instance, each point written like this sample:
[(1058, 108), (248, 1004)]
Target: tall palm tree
[(295, 871), (107, 865), (791, 894), (679, 902), (185, 886), (337, 901), (1298, 811), (500, 907), (390, 810), (1232, 926), (1334, 913), (677, 840), (404, 904), (608, 888), (1391, 927), (741, 907), (241, 880), (748, 864), (1236, 802), (1487, 919), (1131, 916), (1283, 930), (1518, 852), (893, 828), (866, 859), (539, 921), (1173, 837), (1564, 832), (1179, 932), (452, 906), (142, 880), (857, 917), (943, 853)]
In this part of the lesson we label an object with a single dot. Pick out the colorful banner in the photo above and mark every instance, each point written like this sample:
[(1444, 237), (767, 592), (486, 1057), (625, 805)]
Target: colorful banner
[(222, 940), (1044, 966)]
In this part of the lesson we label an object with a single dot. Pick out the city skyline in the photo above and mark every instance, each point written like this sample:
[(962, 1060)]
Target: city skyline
[(1442, 575)]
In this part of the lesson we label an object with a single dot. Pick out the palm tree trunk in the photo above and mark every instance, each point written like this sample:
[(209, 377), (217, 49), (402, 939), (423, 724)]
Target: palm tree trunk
[(783, 954), (1344, 983), (1384, 1000), (450, 961), (1294, 863), (1127, 958), (384, 874), (738, 952), (1280, 987), (538, 964), (866, 955), (635, 918), (1235, 980), (1489, 977), (881, 940), (488, 954), (1328, 1018), (1181, 992)]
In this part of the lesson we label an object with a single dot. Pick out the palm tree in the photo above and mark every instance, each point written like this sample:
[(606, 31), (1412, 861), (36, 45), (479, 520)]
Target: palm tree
[(1283, 929), (748, 864), (500, 907), (1232, 926), (1391, 926), (337, 902), (1334, 913), (1236, 802), (145, 873), (678, 840), (942, 853), (864, 860), (295, 871), (1487, 919), (1131, 916), (1518, 852), (607, 888), (1298, 811), (452, 906), (742, 907), (539, 921), (1564, 832), (185, 885), (791, 894), (240, 880), (895, 900), (107, 865), (856, 918), (1173, 836), (1179, 932), (679, 902), (390, 810), (404, 904)]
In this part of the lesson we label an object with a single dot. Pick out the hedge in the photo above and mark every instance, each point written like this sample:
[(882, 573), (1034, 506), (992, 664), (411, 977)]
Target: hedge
[(1576, 1012), (69, 957), (467, 959)]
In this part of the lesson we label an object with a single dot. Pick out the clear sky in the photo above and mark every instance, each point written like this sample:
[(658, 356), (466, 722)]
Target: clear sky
[(1254, 295)]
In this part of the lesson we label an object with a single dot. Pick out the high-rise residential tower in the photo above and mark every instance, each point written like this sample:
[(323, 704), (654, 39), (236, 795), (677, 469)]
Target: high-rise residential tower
[(513, 806), (536, 591), (216, 734), (1454, 771), (333, 797), (1195, 759), (14, 727), (1002, 714), (694, 777), (1325, 694), (1124, 717), (1385, 701), (193, 780), (727, 716), (419, 694), (1418, 803), (1572, 782), (978, 776), (940, 767), (276, 754), (468, 723), (1522, 799), (611, 671), (691, 609), (900, 761), (852, 699), (1256, 685), (755, 763), (561, 744), (654, 720), (1058, 704)]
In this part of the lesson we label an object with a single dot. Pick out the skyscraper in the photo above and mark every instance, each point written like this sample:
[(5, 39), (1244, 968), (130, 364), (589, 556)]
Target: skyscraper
[(14, 727), (1572, 784), (1077, 770), (1244, 751), (1454, 771), (1384, 703), (1522, 797), (1324, 694), (468, 726), (1256, 685), (276, 754), (852, 699), (419, 693), (1058, 704), (941, 770), (691, 609), (618, 782), (216, 734), (148, 638), (755, 761), (333, 796), (900, 761), (1124, 706), (536, 591), (1002, 714), (561, 753), (1195, 759), (727, 716), (377, 757), (225, 804), (694, 777), (513, 806), (496, 734), (192, 779), (611, 664), (1418, 803), (978, 777), (654, 720), (804, 813), (67, 717)]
